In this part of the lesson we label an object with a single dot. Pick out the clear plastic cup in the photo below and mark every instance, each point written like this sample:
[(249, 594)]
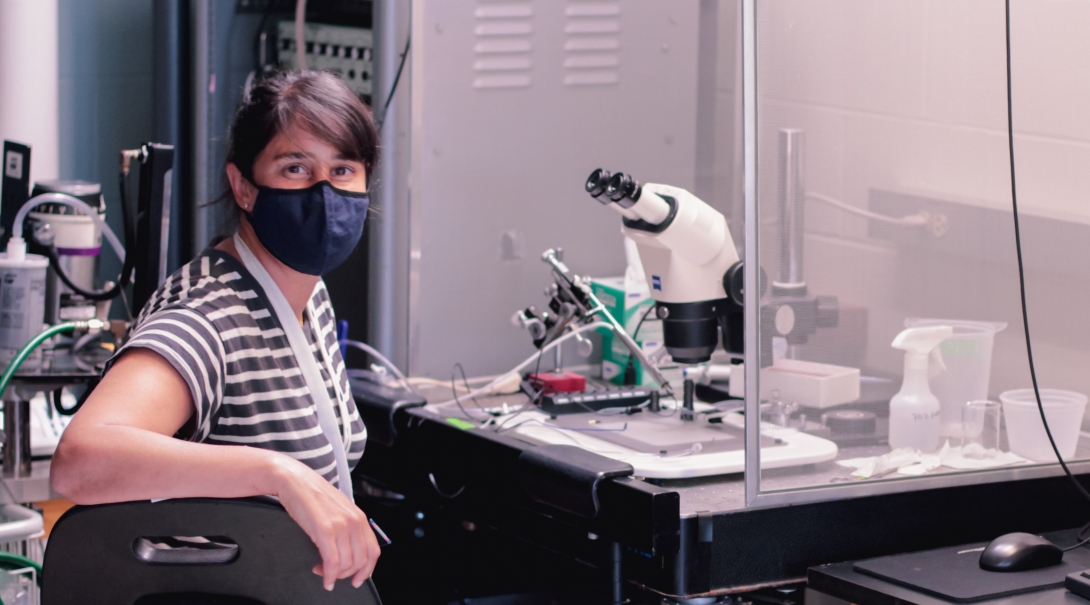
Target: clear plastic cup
[(1025, 431), (980, 422), (968, 359)]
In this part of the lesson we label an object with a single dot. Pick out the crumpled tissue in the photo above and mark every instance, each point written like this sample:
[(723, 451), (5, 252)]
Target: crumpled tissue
[(911, 462)]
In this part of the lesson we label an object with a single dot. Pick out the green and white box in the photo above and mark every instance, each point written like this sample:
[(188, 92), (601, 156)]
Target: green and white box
[(627, 302)]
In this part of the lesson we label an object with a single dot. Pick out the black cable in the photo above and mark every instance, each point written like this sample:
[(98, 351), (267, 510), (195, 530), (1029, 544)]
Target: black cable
[(55, 260), (465, 382), (677, 406), (454, 390), (533, 400), (639, 325), (630, 365), (130, 257), (397, 78), (55, 399), (63, 411), (1022, 277), (435, 484), (257, 37), (1081, 542)]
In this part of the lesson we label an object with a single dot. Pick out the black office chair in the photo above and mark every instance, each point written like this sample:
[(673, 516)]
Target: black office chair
[(254, 554)]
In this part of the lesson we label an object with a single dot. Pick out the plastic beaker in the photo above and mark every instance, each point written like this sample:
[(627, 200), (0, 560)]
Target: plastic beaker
[(1025, 431), (968, 359), (980, 421)]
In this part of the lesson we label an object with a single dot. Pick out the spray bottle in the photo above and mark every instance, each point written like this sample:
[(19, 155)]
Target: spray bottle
[(914, 411)]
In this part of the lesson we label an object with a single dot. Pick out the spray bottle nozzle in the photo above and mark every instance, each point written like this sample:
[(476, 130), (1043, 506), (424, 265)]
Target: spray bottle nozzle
[(921, 343)]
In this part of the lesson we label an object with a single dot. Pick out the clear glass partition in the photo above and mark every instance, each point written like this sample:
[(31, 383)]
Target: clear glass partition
[(881, 185), (891, 313)]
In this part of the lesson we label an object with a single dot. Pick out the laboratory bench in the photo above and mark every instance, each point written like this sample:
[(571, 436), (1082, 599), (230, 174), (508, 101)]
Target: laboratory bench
[(689, 537)]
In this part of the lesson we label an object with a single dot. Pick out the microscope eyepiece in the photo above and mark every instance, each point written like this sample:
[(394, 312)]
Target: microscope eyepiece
[(622, 186), (597, 182)]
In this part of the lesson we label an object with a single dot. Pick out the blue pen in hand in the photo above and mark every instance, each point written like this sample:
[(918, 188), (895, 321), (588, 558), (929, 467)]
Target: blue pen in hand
[(383, 539)]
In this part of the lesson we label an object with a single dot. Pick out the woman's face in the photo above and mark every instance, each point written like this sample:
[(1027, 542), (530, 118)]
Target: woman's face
[(296, 159)]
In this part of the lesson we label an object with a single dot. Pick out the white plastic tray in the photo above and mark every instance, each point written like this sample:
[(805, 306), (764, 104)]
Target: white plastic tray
[(796, 448)]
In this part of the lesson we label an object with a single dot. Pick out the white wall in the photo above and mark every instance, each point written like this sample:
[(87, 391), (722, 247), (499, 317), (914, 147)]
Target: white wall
[(28, 81), (911, 95)]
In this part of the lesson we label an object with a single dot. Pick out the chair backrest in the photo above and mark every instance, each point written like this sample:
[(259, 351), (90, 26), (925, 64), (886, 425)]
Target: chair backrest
[(257, 554)]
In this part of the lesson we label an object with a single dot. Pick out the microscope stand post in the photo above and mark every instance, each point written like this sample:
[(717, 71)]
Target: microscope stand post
[(688, 410)]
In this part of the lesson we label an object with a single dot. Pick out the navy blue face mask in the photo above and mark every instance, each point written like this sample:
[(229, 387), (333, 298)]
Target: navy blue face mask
[(311, 230)]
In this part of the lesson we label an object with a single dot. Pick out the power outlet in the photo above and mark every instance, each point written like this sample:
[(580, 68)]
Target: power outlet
[(984, 233)]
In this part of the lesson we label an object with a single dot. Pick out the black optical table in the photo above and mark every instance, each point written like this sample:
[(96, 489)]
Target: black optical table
[(688, 537)]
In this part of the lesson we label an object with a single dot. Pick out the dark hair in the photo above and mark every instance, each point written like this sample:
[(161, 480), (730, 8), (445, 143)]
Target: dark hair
[(316, 101)]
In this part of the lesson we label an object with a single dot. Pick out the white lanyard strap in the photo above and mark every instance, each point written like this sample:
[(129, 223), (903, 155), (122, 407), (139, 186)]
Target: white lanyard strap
[(334, 375), (307, 365)]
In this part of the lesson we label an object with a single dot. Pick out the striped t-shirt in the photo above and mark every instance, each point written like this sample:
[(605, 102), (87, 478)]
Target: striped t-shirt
[(212, 321)]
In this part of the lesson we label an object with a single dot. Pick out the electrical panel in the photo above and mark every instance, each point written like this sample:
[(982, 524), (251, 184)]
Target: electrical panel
[(345, 51)]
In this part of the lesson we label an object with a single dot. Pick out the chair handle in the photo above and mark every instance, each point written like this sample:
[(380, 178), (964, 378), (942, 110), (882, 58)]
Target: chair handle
[(219, 551)]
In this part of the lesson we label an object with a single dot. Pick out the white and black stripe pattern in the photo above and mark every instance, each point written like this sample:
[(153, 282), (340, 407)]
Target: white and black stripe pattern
[(213, 323)]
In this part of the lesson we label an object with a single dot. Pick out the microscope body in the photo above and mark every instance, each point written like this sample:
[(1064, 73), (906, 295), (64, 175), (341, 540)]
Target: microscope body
[(688, 258), (684, 259), (696, 278), (685, 256)]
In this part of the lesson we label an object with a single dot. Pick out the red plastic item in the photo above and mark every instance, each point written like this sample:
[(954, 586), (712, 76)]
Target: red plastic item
[(567, 382)]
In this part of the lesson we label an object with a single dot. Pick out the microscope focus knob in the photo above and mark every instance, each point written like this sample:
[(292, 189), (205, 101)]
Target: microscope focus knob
[(734, 283)]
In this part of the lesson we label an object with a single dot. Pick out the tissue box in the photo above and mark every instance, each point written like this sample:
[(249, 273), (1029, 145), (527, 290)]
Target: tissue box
[(809, 384), (627, 304)]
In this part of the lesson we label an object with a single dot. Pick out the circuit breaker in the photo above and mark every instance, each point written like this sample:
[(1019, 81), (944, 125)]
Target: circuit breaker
[(345, 51)]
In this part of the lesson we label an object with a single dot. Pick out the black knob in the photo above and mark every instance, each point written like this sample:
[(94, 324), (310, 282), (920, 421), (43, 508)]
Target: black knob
[(828, 311), (597, 182), (734, 283)]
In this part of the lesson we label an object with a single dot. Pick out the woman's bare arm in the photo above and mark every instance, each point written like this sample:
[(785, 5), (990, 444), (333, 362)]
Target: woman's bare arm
[(120, 447)]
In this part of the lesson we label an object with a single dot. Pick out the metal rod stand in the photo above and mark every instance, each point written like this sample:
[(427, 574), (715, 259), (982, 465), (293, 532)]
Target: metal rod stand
[(615, 575), (688, 410), (17, 438)]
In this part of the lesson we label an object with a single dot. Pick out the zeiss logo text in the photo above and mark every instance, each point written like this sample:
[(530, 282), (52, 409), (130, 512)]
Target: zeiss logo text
[(656, 283)]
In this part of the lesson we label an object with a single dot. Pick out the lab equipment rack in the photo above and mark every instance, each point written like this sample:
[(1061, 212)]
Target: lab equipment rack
[(661, 536)]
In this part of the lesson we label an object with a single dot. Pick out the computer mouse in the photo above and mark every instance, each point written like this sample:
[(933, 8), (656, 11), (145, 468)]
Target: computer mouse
[(1020, 552)]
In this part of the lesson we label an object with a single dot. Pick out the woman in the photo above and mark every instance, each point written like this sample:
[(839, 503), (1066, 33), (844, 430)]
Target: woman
[(238, 348)]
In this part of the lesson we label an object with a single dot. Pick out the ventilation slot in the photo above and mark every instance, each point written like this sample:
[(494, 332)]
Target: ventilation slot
[(503, 47), (592, 43)]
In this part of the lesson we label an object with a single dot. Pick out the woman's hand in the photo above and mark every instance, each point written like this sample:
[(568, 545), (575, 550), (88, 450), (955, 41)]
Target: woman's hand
[(337, 526)]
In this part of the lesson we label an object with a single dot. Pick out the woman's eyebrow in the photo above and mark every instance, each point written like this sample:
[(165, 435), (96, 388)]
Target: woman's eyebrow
[(342, 157), (294, 155)]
